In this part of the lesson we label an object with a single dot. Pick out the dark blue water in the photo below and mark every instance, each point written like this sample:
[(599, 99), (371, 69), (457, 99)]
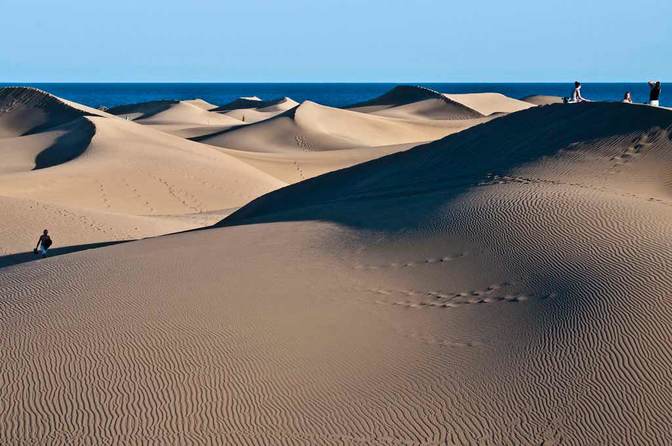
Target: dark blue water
[(335, 95)]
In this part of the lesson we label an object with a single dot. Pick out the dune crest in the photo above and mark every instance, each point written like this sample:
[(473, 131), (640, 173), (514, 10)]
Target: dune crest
[(314, 127), (416, 102), (26, 110)]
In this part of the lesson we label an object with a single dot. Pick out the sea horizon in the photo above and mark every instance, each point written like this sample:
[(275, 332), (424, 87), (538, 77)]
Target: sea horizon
[(334, 94)]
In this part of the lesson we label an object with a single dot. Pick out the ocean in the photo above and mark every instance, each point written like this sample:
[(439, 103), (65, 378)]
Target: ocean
[(331, 94)]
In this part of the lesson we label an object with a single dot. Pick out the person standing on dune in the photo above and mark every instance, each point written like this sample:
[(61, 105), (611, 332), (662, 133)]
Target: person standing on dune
[(43, 244), (654, 93)]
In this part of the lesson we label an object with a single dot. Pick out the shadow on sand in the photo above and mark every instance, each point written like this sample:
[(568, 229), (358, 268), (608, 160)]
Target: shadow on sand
[(24, 257)]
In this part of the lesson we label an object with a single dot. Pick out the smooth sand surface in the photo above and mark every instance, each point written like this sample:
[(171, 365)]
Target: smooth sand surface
[(505, 285), (297, 166), (489, 103)]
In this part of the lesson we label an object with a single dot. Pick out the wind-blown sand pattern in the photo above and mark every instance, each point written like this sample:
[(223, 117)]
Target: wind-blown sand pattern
[(504, 285)]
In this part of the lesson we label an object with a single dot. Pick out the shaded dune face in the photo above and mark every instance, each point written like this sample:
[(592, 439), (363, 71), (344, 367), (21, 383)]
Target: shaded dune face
[(251, 111), (143, 109), (27, 110), (256, 103), (595, 135), (39, 130), (69, 146), (423, 103), (418, 100), (187, 119)]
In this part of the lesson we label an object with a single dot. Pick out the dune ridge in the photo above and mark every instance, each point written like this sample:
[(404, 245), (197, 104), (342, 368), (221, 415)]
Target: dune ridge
[(25, 110), (314, 127), (424, 103), (411, 100)]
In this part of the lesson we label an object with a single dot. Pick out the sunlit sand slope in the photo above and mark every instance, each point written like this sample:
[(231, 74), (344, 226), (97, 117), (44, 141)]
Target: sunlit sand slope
[(314, 127), (89, 176)]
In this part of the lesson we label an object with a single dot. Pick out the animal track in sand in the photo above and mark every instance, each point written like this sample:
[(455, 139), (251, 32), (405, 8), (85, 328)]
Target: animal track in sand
[(633, 151), (440, 299), (209, 185), (432, 340), (103, 194), (412, 263), (139, 197), (495, 179), (299, 170), (184, 197), (302, 144)]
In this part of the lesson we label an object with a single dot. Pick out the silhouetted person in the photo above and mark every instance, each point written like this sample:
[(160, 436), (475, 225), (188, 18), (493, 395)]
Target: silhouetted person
[(654, 93), (576, 94), (43, 244), (627, 97)]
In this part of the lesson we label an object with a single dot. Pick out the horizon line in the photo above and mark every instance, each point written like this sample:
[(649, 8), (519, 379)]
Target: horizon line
[(323, 82)]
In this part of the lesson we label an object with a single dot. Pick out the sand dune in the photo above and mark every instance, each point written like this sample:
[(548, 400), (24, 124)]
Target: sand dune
[(200, 103), (250, 110), (96, 178), (424, 103), (310, 139), (129, 168), (133, 161), (314, 127), (504, 285), (259, 105), (27, 110), (620, 121), (186, 119), (44, 149), (197, 118), (416, 102)]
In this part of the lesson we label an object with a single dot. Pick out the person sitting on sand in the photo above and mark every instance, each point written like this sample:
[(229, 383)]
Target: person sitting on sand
[(627, 98), (43, 244), (576, 94), (654, 93)]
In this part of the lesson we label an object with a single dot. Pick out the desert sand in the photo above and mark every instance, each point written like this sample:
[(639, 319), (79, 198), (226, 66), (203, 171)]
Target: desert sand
[(142, 170), (92, 177), (506, 284)]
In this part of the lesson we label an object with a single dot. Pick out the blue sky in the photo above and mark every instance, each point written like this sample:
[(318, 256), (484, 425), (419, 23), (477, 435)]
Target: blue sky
[(335, 40)]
